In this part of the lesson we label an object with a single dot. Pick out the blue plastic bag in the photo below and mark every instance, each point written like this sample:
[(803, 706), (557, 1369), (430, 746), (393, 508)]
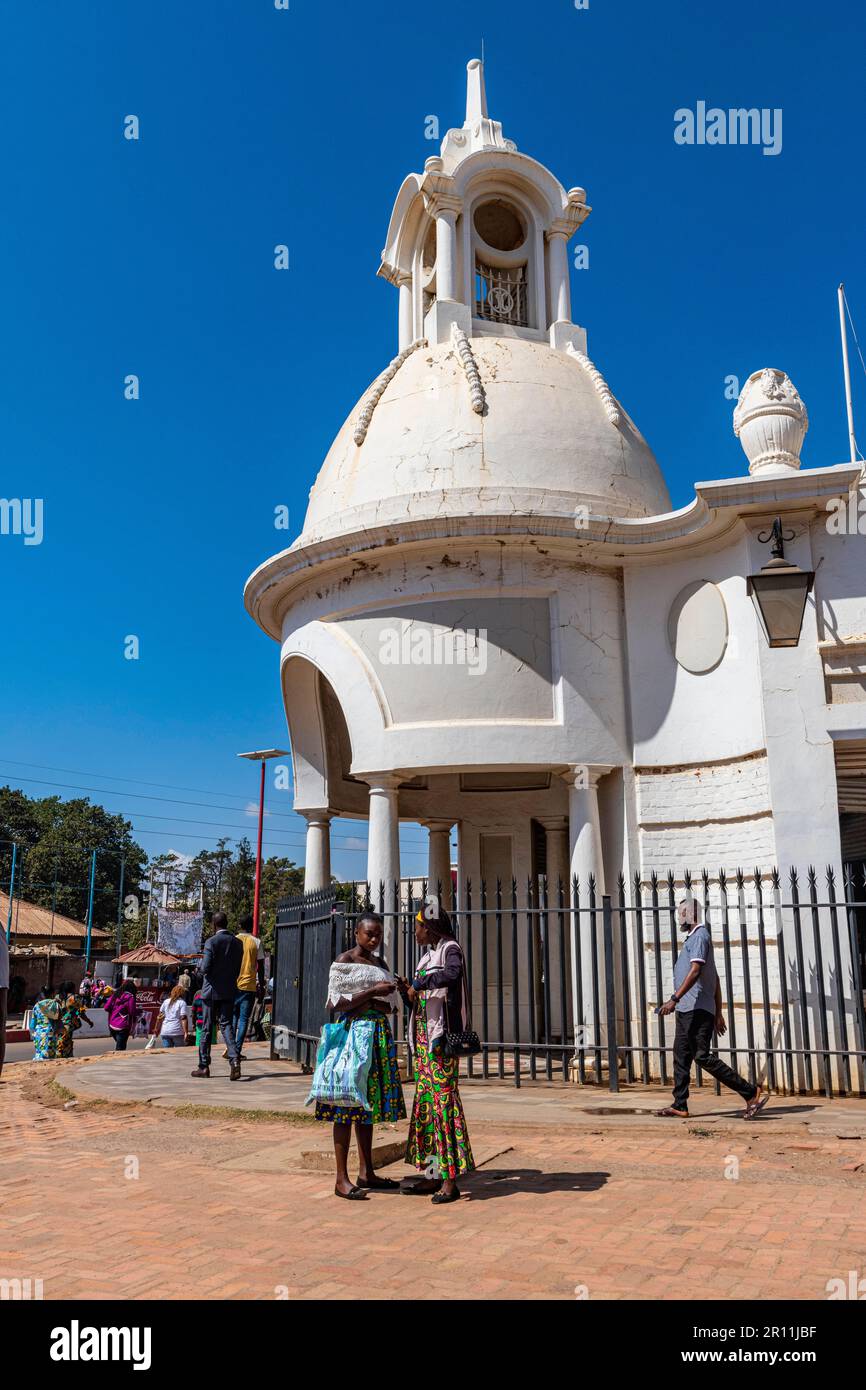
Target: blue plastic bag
[(343, 1064)]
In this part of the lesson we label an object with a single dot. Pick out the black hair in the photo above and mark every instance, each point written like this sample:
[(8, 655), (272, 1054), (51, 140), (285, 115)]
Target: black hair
[(440, 924), (246, 924), (368, 915)]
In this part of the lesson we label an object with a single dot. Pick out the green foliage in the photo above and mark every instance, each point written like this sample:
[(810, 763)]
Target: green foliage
[(55, 842), (55, 839)]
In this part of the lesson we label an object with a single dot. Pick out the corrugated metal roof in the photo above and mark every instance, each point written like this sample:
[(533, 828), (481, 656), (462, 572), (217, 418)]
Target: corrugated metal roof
[(28, 920)]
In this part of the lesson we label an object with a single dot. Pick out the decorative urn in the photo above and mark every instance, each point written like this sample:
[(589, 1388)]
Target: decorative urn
[(770, 422)]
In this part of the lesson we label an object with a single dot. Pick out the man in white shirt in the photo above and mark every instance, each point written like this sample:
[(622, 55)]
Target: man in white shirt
[(4, 995)]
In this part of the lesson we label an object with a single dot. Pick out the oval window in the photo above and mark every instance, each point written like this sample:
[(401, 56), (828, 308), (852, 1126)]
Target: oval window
[(500, 225)]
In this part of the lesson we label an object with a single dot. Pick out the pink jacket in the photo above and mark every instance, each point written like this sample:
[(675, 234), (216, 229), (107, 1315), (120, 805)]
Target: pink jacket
[(121, 1010)]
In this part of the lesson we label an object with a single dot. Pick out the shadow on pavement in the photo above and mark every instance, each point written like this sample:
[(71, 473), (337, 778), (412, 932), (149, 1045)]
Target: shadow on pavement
[(508, 1182)]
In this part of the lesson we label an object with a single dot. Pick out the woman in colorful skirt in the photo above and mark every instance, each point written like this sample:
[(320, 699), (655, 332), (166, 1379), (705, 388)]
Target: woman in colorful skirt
[(360, 987), (44, 1028), (72, 1013), (438, 1137)]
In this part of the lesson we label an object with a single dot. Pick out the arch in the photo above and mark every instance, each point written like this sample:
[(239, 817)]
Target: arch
[(318, 648)]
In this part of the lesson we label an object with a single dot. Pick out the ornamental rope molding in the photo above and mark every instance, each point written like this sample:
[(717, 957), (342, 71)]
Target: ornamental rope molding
[(470, 367), (377, 391), (608, 399)]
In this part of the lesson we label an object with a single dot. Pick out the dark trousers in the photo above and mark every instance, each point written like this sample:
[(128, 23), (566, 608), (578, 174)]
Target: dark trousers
[(694, 1043), (121, 1038), (223, 1011)]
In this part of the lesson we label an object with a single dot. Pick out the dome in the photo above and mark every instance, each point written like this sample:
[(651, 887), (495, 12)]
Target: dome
[(546, 425)]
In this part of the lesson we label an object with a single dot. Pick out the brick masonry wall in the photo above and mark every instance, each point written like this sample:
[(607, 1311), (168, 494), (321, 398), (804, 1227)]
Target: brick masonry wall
[(711, 815)]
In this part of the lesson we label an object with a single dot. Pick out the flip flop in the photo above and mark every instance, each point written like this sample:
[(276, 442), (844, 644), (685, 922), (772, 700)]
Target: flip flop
[(669, 1113), (353, 1195), (379, 1185), (755, 1105)]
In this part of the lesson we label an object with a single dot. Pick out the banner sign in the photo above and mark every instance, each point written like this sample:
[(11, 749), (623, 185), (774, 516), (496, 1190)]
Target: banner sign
[(179, 932)]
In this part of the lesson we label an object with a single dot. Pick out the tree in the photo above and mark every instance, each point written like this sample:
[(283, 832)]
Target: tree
[(281, 878), (55, 842), (240, 882)]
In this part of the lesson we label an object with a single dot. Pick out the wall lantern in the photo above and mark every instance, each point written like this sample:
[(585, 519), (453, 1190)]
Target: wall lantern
[(779, 591)]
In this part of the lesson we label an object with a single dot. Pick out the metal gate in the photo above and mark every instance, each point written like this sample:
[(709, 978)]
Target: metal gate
[(310, 932)]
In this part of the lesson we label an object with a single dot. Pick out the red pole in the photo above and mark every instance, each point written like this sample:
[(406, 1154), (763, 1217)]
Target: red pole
[(259, 853)]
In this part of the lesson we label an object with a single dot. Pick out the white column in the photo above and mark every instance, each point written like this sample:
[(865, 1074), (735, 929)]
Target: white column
[(446, 252), (439, 860), (383, 841), (556, 834), (406, 328), (317, 860), (560, 293), (586, 862)]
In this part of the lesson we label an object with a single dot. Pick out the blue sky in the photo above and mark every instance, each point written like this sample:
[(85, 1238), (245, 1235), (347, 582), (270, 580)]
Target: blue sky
[(155, 257)]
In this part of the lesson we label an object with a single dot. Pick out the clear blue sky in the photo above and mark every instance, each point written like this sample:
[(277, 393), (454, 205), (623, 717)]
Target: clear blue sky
[(155, 257)]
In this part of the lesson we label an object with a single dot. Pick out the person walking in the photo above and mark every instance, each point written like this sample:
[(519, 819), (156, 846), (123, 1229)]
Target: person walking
[(221, 964), (172, 1021), (249, 980), (122, 1012), (438, 1135), (697, 1002)]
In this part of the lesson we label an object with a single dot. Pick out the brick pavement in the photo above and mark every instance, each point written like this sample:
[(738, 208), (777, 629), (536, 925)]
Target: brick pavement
[(617, 1215)]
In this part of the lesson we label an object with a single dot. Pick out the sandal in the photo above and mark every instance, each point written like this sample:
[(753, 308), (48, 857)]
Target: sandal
[(671, 1114), (378, 1185), (353, 1195), (755, 1104), (441, 1198)]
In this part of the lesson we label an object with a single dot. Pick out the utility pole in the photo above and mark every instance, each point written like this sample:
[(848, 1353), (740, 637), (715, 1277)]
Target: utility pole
[(90, 909), (11, 894), (120, 906), (149, 901)]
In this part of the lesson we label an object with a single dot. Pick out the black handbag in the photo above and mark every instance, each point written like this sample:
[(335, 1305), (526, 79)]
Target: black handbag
[(466, 1042)]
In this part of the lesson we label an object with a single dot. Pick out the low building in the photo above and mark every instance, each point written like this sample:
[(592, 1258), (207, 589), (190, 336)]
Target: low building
[(47, 949)]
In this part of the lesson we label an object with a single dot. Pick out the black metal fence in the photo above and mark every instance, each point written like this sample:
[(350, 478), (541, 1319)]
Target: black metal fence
[(565, 985)]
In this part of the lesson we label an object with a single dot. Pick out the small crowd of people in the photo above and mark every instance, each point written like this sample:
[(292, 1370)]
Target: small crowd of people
[(228, 991)]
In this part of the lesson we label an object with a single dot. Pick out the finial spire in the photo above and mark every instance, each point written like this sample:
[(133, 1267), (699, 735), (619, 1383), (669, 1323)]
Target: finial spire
[(476, 96)]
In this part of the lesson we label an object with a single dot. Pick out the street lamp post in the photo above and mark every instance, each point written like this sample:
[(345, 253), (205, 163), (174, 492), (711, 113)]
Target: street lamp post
[(263, 756), (779, 591)]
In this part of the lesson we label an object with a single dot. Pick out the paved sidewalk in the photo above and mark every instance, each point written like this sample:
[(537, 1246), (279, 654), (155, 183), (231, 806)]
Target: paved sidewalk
[(163, 1078), (206, 1205)]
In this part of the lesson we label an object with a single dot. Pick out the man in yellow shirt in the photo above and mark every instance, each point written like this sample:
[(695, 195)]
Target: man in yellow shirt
[(249, 978)]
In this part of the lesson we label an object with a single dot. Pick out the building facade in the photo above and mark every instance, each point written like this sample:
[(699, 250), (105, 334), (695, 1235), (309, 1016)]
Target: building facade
[(493, 619)]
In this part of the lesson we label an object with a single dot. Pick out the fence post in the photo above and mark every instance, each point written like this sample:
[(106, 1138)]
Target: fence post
[(610, 993)]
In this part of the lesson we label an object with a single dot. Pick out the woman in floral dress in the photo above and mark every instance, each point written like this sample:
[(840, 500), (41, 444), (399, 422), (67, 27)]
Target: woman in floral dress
[(44, 1028), (72, 1013), (438, 1136)]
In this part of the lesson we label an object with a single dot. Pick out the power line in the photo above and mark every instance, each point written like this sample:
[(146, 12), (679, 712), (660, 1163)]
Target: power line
[(144, 796)]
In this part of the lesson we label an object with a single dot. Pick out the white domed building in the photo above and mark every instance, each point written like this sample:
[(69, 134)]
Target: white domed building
[(493, 620)]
